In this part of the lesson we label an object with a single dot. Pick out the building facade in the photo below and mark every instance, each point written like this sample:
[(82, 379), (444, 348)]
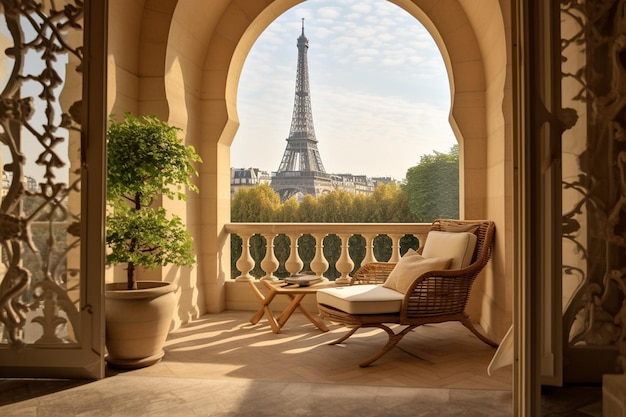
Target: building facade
[(247, 177), (353, 184)]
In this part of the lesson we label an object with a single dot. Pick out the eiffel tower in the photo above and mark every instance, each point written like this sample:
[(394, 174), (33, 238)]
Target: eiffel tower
[(301, 169)]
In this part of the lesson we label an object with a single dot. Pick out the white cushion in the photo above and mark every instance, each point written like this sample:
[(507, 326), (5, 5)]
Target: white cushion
[(458, 246), (361, 299), (411, 266)]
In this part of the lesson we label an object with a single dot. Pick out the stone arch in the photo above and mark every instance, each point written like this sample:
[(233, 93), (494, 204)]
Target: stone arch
[(190, 61)]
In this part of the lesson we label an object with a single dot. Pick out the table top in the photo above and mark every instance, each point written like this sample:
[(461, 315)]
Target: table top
[(281, 287)]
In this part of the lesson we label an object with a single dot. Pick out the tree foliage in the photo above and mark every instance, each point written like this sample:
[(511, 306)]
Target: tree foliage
[(388, 204), (432, 186), (146, 157), (147, 160), (255, 204)]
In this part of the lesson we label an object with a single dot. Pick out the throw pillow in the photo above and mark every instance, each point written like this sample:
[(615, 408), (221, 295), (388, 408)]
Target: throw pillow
[(460, 227), (458, 246), (410, 267)]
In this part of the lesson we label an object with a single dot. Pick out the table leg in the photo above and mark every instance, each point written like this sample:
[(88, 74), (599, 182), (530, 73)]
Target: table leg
[(255, 319), (270, 317), (318, 323), (265, 309), (295, 303), (277, 323)]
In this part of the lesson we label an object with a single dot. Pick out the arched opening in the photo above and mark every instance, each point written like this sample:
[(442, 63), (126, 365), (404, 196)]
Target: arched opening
[(378, 86), (456, 36), (188, 68)]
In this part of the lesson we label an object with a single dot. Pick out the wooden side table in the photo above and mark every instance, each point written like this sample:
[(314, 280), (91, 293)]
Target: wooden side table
[(295, 293)]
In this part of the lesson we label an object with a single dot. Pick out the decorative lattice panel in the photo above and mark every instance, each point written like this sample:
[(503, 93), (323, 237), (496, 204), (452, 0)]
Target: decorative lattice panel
[(40, 116)]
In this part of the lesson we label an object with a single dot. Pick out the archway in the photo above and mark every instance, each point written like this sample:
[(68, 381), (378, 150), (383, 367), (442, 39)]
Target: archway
[(204, 50)]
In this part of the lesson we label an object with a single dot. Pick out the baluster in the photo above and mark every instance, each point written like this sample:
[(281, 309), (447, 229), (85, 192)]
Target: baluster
[(395, 247), (369, 248), (245, 263), (344, 263), (269, 264), (319, 264), (294, 264)]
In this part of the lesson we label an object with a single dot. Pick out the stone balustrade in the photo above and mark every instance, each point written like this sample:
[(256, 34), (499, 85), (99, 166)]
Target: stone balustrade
[(319, 265)]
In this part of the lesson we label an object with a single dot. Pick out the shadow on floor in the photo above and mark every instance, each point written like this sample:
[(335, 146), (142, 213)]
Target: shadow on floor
[(15, 390), (572, 401)]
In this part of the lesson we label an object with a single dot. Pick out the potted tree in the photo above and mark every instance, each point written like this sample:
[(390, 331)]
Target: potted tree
[(146, 162)]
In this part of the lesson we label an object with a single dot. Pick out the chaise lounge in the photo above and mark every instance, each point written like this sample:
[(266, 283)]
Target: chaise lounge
[(431, 285)]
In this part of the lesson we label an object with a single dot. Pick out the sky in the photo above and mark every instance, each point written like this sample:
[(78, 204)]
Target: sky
[(380, 94)]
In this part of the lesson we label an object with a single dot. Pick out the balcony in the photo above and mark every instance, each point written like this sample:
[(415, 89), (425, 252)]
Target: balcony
[(319, 265), (238, 294), (222, 365)]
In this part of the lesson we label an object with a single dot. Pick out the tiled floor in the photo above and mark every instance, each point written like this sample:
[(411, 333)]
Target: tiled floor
[(222, 365)]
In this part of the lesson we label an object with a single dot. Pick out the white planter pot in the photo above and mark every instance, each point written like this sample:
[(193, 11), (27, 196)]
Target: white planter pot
[(137, 322)]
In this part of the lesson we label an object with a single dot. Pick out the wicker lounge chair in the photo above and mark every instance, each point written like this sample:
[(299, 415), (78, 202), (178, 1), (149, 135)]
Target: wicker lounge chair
[(432, 297)]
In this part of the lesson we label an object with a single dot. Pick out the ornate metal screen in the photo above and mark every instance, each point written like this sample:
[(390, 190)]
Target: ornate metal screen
[(593, 49), (40, 117)]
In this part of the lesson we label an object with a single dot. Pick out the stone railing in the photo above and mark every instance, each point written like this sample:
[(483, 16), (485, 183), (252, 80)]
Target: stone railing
[(319, 231)]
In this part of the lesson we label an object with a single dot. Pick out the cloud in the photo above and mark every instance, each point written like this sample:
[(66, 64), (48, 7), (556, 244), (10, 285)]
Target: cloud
[(361, 7), (363, 133), (331, 13)]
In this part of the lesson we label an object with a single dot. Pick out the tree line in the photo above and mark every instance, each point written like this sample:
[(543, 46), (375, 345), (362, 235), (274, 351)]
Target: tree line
[(430, 191)]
